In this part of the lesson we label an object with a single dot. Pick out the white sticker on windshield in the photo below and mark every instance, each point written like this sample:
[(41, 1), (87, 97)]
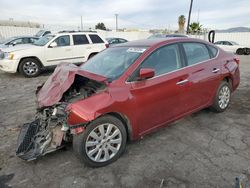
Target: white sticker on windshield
[(136, 50)]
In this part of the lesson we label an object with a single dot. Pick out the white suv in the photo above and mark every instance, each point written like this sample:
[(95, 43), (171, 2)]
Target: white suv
[(51, 50)]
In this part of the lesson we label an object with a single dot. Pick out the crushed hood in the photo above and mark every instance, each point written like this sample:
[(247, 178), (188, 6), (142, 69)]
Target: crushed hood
[(60, 81)]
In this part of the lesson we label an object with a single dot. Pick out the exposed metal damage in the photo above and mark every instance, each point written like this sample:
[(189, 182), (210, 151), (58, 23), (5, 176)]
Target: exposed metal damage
[(50, 130)]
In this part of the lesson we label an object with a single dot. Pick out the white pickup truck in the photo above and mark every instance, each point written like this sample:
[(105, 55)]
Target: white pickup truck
[(51, 50)]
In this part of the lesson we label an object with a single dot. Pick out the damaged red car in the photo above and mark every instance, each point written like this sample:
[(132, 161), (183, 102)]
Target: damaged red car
[(125, 92)]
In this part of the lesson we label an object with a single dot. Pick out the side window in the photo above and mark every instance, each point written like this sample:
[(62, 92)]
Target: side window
[(63, 41), (26, 41), (196, 53), (218, 42), (213, 50), (114, 41), (80, 39), (96, 39), (122, 40), (32, 40), (163, 60)]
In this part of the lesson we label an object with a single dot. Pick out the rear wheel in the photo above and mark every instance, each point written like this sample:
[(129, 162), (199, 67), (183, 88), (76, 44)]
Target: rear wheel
[(30, 67), (103, 141), (240, 51), (223, 97), (247, 51)]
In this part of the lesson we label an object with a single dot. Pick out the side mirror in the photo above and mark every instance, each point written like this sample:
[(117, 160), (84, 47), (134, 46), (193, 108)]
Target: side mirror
[(146, 73), (13, 43), (53, 45)]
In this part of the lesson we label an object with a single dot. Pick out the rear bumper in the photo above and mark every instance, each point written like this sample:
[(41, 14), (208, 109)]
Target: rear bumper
[(9, 66)]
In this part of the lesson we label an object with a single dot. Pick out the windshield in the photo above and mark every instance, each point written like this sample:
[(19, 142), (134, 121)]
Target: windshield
[(113, 62), (44, 40), (234, 43), (39, 33), (7, 40)]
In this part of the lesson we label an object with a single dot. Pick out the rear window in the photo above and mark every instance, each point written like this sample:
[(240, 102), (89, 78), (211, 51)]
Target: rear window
[(80, 39), (196, 52), (96, 39), (213, 50)]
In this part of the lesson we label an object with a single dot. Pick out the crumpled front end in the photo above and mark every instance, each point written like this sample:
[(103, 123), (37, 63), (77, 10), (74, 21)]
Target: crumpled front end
[(45, 134), (50, 131)]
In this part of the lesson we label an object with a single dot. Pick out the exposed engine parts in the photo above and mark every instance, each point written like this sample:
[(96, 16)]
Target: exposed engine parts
[(82, 88), (50, 131), (45, 134)]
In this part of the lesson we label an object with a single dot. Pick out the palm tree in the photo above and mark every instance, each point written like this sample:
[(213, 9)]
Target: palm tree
[(181, 22), (195, 28)]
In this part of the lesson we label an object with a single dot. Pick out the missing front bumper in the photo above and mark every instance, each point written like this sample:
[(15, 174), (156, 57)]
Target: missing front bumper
[(26, 149)]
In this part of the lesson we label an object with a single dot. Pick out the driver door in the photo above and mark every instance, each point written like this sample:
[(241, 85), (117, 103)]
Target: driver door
[(159, 99), (62, 52)]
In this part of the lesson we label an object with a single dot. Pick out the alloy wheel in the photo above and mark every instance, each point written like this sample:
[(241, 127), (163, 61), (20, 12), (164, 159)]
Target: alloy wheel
[(103, 142), (224, 97), (30, 68)]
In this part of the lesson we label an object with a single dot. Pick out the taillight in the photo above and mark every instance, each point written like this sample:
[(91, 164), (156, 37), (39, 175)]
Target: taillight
[(107, 45), (237, 60)]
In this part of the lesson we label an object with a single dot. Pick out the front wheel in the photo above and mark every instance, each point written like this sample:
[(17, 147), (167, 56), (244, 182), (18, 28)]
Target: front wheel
[(103, 141), (222, 98), (30, 67)]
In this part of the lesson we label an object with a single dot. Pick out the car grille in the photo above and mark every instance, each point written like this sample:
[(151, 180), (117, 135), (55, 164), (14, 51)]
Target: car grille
[(25, 139)]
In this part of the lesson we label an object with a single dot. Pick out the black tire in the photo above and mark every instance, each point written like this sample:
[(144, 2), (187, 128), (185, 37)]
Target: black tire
[(33, 63), (79, 141), (247, 51), (240, 51), (216, 107)]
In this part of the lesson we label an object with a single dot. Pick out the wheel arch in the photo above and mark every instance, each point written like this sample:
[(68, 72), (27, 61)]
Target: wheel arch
[(228, 79), (92, 54), (124, 119), (34, 57)]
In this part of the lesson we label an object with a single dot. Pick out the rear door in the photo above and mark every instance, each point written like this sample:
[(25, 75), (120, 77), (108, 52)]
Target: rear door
[(82, 48), (203, 71), (159, 99), (61, 53), (98, 42)]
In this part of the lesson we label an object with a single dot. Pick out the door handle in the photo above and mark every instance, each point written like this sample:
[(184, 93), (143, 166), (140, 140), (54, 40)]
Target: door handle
[(215, 70), (182, 82)]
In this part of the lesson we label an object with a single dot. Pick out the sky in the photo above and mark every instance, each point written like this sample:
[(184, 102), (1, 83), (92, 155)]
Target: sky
[(143, 14)]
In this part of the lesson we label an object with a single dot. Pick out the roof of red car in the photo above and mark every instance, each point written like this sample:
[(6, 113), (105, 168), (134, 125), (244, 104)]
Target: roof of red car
[(152, 42)]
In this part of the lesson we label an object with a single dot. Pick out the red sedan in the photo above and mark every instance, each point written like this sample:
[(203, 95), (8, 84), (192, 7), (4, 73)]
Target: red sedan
[(125, 92)]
